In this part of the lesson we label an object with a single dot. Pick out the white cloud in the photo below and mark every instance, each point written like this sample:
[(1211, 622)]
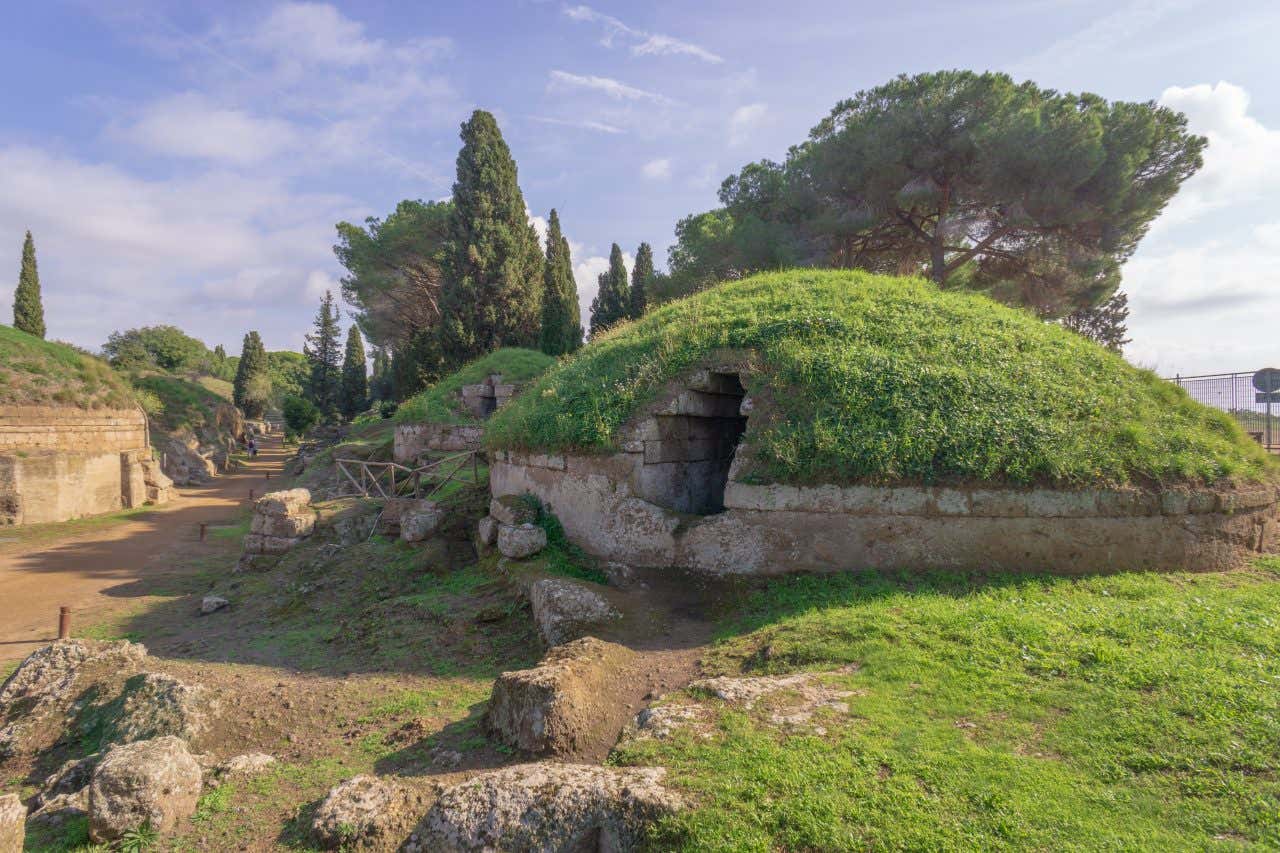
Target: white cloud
[(745, 119), (643, 43), (657, 170), (616, 90), (1240, 162), (191, 125), (585, 124)]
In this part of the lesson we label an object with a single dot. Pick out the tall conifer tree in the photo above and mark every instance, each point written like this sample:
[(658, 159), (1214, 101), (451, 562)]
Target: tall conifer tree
[(355, 379), (561, 316), (28, 310), (494, 292), (252, 386), (322, 351), (641, 275), (613, 303)]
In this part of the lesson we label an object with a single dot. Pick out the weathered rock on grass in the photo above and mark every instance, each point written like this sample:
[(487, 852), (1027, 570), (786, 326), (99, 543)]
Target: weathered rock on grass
[(13, 820), (280, 521), (212, 604), (421, 523), (240, 767), (36, 700), (487, 531), (156, 704), (153, 782), (547, 806), (566, 704), (565, 610), (519, 542), (513, 510), (367, 811)]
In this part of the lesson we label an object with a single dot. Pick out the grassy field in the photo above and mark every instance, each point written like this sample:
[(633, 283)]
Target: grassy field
[(441, 404), (177, 404), (1134, 711), (34, 372), (875, 379)]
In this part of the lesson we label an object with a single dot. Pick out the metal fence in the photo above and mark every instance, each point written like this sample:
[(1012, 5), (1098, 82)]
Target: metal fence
[(1252, 398)]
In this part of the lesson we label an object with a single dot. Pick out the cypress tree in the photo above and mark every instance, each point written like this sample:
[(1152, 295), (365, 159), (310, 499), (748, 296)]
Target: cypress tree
[(612, 303), (322, 351), (561, 316), (641, 275), (355, 381), (28, 311), (380, 384), (252, 386), (493, 295)]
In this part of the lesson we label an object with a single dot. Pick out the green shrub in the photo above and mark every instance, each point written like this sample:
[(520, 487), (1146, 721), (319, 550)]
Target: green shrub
[(864, 378), (300, 414)]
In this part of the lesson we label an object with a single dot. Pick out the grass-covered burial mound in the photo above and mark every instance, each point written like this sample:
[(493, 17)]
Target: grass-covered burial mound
[(858, 378)]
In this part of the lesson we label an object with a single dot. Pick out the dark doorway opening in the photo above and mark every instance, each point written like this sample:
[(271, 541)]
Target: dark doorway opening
[(687, 467)]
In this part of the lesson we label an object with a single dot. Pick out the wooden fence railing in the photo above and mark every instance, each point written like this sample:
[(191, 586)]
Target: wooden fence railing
[(391, 479)]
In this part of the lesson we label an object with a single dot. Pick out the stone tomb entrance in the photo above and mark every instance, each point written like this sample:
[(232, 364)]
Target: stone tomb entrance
[(689, 445)]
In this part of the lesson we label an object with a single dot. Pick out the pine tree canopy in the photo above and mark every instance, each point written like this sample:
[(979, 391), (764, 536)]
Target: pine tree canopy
[(493, 295), (251, 389), (1032, 195), (641, 277), (28, 309), (613, 303), (355, 379), (322, 351), (561, 316), (1106, 324)]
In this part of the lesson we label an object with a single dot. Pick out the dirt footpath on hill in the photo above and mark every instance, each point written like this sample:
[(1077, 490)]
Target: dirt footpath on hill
[(97, 573)]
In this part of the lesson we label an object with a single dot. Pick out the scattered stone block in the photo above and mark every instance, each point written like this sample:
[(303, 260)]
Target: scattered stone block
[(154, 782), (280, 521), (421, 523), (288, 502), (562, 706), (212, 604), (565, 610), (520, 542), (157, 705), (366, 811), (487, 531), (547, 806)]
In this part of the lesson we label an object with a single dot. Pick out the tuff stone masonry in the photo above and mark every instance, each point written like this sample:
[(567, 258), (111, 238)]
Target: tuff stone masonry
[(480, 400), (59, 463)]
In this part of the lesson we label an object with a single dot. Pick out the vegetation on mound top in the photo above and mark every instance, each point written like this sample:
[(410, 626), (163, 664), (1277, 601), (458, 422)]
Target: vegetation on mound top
[(175, 404), (866, 378), (442, 404), (1134, 711), (34, 372)]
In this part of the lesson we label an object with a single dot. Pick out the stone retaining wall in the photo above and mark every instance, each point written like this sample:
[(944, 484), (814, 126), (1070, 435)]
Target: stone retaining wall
[(63, 463), (779, 529), (413, 440)]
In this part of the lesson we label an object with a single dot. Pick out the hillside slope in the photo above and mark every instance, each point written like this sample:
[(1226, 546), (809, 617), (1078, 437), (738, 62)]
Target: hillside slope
[(34, 372)]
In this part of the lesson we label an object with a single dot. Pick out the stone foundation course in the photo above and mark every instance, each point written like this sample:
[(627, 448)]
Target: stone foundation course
[(775, 529)]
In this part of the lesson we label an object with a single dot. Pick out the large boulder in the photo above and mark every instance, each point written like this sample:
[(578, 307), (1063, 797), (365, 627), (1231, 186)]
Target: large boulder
[(280, 521), (13, 821), (367, 811), (516, 543), (421, 522), (287, 502), (565, 610), (153, 782), (37, 698), (546, 806), (563, 706)]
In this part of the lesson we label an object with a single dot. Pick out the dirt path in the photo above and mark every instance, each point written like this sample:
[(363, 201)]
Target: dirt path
[(101, 572)]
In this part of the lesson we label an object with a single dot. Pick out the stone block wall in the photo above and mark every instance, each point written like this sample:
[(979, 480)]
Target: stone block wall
[(775, 529), (62, 463), (413, 440)]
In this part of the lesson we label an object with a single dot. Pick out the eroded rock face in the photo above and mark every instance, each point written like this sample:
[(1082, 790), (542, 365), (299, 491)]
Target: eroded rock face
[(562, 706), (155, 782), (212, 604), (547, 806), (156, 705), (367, 811), (565, 610), (13, 821), (487, 531), (37, 698), (511, 509), (517, 543)]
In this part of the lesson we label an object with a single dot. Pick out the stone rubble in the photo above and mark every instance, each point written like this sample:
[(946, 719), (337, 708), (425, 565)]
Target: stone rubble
[(517, 543), (13, 820), (561, 706), (366, 811), (239, 767), (156, 705), (155, 782), (546, 806), (422, 522), (565, 610), (212, 604)]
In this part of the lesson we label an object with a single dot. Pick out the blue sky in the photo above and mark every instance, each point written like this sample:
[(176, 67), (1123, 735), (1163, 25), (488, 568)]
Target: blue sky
[(185, 162)]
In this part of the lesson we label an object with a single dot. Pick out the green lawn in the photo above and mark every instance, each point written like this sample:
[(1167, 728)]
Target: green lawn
[(864, 378), (1135, 711)]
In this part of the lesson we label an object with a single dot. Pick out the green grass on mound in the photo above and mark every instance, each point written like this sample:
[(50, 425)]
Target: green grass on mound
[(441, 404), (176, 404), (865, 378), (1128, 712), (34, 372)]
